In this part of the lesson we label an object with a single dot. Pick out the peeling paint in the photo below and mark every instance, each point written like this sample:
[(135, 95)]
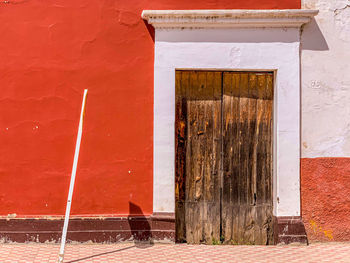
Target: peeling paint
[(285, 230), (235, 55), (9, 216), (316, 228)]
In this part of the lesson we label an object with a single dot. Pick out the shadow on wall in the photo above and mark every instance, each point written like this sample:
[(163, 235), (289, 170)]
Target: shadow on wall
[(139, 226), (150, 30), (312, 37)]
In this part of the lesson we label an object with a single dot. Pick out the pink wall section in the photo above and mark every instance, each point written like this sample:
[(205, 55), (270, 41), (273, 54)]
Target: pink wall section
[(50, 51), (325, 194)]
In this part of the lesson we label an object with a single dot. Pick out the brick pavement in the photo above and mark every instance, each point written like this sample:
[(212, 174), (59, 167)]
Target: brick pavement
[(128, 252)]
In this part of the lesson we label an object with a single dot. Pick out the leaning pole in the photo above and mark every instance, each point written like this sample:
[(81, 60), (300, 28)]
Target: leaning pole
[(72, 179)]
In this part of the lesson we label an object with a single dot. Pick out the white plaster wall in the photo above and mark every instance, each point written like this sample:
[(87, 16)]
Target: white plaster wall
[(233, 49), (326, 80)]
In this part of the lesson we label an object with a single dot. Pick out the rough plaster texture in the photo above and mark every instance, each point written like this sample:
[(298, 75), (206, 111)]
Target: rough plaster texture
[(326, 80), (231, 49), (325, 196), (325, 182), (50, 51)]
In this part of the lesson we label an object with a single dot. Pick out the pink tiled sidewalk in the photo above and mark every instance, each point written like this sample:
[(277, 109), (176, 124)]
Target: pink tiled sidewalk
[(329, 252)]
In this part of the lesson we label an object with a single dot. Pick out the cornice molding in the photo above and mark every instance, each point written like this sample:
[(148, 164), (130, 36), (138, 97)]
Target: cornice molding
[(228, 18)]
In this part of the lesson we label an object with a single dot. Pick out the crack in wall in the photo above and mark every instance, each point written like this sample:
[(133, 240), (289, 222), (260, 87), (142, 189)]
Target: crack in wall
[(339, 10)]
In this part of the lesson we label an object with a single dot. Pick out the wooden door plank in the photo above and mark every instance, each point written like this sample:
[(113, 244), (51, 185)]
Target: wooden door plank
[(212, 199), (228, 116), (193, 171), (261, 139), (251, 220), (261, 160), (189, 189), (202, 205), (269, 149), (231, 169), (204, 135), (243, 138), (242, 157), (180, 156), (235, 158), (252, 140)]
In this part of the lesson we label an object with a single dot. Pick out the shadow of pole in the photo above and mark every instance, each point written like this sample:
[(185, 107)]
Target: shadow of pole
[(101, 254), (140, 229), (139, 226)]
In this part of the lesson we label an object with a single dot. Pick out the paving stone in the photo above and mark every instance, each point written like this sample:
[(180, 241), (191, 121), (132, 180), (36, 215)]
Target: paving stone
[(96, 253)]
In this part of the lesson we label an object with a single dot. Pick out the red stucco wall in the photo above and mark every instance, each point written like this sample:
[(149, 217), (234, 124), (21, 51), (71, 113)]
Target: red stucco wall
[(49, 52), (325, 193)]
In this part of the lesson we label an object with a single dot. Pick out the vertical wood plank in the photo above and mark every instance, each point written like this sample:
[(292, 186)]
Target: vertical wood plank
[(269, 149), (228, 157), (189, 208), (203, 122), (205, 148), (243, 138), (214, 84), (252, 174), (251, 179), (180, 157), (261, 158), (236, 78)]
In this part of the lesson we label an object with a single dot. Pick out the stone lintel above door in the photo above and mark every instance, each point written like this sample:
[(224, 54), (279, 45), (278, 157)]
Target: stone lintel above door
[(227, 18)]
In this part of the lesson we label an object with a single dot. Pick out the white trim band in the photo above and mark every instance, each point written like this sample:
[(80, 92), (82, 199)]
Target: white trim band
[(228, 18)]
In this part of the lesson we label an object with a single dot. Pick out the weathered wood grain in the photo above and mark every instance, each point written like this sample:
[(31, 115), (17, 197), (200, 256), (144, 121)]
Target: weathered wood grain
[(202, 156), (181, 82), (224, 143), (247, 162)]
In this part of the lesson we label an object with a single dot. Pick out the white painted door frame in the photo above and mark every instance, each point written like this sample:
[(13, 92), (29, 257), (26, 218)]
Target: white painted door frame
[(266, 40)]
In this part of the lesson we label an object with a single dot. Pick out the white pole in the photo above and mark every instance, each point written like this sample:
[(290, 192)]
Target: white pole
[(72, 180)]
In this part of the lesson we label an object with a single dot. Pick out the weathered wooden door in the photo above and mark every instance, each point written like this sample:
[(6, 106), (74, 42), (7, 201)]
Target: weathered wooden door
[(224, 157)]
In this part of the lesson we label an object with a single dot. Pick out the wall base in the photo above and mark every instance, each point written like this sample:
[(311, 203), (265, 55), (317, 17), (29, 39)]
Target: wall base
[(157, 227), (290, 229)]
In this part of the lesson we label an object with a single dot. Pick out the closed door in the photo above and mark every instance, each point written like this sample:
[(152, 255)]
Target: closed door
[(223, 177)]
